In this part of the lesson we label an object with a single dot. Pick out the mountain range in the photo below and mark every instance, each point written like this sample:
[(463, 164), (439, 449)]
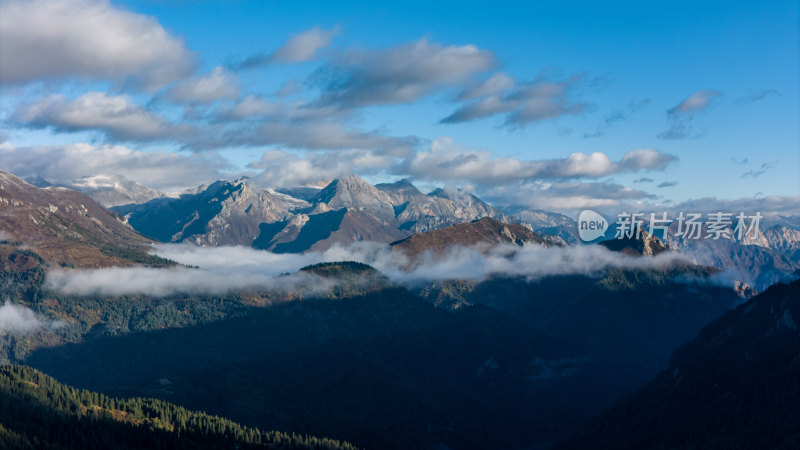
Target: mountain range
[(348, 209), (503, 361)]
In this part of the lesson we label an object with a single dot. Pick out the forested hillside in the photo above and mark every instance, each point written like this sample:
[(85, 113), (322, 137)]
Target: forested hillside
[(37, 412)]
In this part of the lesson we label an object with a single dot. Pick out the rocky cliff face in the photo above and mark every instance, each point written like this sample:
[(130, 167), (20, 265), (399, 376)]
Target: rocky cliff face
[(223, 213), (418, 212), (347, 209), (645, 244)]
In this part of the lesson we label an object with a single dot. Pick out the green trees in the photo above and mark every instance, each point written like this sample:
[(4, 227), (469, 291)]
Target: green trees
[(36, 411)]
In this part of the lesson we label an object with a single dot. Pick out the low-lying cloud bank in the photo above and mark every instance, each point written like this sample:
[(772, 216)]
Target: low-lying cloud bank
[(225, 269), (19, 319)]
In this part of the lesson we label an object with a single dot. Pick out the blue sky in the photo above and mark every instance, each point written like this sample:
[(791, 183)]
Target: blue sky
[(702, 98)]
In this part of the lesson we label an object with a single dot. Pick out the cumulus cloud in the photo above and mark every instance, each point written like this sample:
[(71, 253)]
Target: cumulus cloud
[(160, 170), (116, 116), (19, 319), (259, 121), (217, 85), (495, 84), (223, 269), (667, 184), (529, 102), (299, 48), (564, 196), (681, 115), (283, 169), (322, 134), (446, 161), (256, 106), (46, 39), (400, 74)]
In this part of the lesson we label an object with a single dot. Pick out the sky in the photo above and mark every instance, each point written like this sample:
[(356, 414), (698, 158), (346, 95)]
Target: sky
[(540, 105)]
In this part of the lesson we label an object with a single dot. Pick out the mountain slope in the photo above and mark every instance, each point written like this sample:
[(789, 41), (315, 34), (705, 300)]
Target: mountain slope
[(348, 209), (385, 370), (418, 212), (114, 190), (36, 412), (223, 213), (734, 386), (644, 245), (355, 194), (68, 228), (486, 232)]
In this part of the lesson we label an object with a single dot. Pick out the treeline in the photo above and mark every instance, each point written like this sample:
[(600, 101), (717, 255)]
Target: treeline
[(136, 256), (38, 412)]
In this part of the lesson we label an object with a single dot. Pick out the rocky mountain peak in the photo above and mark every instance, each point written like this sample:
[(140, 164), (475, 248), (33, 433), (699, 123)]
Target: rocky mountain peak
[(639, 244), (355, 193), (401, 191)]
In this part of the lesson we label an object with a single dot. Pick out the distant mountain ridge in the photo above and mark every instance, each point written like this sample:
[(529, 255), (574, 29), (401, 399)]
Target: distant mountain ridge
[(108, 190), (348, 209)]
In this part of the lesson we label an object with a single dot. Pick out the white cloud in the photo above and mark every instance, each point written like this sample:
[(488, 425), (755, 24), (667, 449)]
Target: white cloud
[(223, 269), (19, 319), (217, 85), (160, 170), (258, 121), (282, 169), (446, 161), (254, 106), (304, 46), (116, 116), (299, 48), (697, 102), (400, 74), (497, 83), (162, 282), (529, 102), (682, 114), (564, 196), (46, 39)]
